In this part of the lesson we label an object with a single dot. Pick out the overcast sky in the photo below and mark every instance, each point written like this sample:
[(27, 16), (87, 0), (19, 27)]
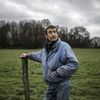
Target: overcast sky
[(67, 13)]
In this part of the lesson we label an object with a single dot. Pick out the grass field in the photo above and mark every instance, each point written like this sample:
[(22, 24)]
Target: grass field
[(85, 82)]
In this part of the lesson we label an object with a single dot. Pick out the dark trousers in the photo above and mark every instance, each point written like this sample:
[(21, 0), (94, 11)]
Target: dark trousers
[(59, 91)]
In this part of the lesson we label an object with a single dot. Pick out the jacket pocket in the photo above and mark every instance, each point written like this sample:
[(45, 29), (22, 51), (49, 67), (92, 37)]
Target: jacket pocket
[(51, 77)]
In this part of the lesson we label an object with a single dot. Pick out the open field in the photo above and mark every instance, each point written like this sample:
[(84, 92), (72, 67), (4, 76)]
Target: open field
[(85, 82)]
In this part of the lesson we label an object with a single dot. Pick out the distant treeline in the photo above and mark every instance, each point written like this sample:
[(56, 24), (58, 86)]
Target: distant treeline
[(31, 34)]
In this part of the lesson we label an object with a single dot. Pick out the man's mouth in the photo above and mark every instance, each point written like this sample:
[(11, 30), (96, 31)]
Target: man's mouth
[(53, 38)]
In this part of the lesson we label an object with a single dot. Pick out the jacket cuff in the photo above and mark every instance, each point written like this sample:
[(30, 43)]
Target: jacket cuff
[(56, 74), (61, 72)]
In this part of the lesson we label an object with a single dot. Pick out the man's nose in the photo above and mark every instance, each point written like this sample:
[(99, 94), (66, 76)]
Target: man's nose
[(53, 33)]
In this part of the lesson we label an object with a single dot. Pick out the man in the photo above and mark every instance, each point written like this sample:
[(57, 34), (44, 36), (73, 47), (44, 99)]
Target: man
[(58, 65)]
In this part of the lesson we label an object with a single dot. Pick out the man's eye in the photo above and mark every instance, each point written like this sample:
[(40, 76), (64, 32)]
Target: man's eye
[(50, 32), (54, 31)]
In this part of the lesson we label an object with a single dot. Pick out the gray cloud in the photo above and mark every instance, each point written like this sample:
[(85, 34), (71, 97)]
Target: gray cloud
[(68, 13)]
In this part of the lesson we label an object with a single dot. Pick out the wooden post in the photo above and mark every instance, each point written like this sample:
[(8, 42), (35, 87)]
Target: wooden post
[(25, 78)]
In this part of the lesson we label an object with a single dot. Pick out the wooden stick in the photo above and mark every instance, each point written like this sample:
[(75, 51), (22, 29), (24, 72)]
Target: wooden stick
[(25, 78)]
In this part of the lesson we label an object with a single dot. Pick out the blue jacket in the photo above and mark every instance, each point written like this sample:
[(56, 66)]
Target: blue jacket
[(59, 64)]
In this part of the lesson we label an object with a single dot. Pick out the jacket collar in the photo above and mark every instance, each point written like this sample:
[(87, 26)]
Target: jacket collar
[(54, 46)]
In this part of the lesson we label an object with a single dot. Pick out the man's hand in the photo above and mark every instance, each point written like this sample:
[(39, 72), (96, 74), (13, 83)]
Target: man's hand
[(23, 55)]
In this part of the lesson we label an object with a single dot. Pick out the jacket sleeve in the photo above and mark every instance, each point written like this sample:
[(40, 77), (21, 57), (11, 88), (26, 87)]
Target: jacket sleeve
[(70, 62), (36, 56)]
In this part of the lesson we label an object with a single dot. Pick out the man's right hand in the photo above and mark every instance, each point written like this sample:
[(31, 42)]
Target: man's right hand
[(23, 55)]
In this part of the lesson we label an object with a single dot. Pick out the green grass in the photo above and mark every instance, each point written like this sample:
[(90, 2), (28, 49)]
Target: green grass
[(85, 82)]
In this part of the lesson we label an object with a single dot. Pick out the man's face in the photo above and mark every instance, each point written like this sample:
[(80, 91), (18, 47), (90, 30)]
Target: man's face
[(52, 34)]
